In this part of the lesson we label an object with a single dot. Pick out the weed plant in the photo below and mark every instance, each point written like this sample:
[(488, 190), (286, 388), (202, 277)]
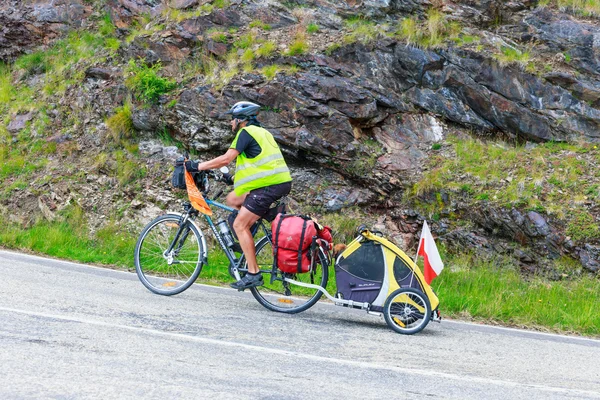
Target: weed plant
[(145, 83)]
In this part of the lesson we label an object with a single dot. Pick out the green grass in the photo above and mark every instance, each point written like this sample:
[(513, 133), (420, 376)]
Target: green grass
[(128, 170), (145, 83), (120, 124), (218, 35), (487, 291), (7, 89), (554, 178), (64, 63), (270, 71), (298, 47), (492, 291), (247, 56), (259, 24), (433, 32), (266, 49), (312, 28), (511, 55), (245, 41), (585, 8), (69, 238), (106, 26), (360, 29)]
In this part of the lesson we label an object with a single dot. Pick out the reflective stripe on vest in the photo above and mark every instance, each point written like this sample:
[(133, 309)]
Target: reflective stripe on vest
[(258, 163), (266, 169)]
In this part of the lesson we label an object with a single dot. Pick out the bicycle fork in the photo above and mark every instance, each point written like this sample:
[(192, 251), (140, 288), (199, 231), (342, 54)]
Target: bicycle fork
[(179, 240)]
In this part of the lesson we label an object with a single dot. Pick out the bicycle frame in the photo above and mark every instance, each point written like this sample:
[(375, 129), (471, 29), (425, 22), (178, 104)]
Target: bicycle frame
[(234, 263)]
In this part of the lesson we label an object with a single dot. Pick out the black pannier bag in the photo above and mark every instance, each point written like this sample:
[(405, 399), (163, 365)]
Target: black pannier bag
[(178, 179)]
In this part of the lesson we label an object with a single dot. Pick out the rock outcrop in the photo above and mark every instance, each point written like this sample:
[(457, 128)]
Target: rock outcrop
[(357, 122)]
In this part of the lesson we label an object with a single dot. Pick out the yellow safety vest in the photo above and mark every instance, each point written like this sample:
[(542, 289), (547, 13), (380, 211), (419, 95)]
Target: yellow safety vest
[(266, 169)]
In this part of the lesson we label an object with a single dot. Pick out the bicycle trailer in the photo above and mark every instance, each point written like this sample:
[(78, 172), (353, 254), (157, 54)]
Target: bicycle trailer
[(373, 271)]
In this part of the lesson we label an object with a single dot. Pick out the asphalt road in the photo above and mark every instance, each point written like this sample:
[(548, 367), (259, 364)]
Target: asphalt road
[(70, 331)]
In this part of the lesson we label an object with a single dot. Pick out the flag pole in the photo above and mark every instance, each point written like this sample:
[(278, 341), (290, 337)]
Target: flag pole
[(417, 255)]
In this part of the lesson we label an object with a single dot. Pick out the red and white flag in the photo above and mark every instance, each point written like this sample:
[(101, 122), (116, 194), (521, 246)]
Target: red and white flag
[(432, 260)]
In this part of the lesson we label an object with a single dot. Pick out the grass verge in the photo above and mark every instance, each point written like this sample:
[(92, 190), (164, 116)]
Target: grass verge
[(468, 289), (492, 293)]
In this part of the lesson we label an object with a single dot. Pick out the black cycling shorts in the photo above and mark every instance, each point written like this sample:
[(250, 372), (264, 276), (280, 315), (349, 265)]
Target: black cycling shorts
[(259, 200)]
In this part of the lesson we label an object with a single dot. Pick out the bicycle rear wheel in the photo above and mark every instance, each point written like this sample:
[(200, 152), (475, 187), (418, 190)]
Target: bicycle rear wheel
[(281, 296), (173, 272)]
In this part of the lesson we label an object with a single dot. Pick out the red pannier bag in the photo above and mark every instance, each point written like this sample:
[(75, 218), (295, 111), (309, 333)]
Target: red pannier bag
[(293, 236)]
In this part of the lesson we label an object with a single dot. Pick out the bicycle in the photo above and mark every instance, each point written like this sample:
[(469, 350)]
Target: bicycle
[(171, 252)]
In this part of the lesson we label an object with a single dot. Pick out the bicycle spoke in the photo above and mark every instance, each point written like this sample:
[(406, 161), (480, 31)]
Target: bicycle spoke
[(167, 273)]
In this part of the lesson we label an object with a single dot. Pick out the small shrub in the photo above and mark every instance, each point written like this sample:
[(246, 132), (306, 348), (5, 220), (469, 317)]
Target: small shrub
[(568, 57), (266, 49), (431, 33), (145, 83), (128, 171), (120, 125), (312, 28), (435, 26), (436, 146)]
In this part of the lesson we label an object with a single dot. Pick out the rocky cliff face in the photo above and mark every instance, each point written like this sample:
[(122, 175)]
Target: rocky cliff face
[(365, 113)]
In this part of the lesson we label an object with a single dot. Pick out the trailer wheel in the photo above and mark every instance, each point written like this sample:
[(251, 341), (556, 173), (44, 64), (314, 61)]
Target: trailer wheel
[(407, 311)]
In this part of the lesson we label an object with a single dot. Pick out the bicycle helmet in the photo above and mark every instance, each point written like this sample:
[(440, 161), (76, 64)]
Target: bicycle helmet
[(244, 110)]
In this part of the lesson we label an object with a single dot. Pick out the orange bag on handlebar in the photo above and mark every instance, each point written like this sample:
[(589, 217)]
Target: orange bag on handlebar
[(292, 239)]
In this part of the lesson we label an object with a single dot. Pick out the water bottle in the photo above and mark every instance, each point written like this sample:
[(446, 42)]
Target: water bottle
[(225, 232)]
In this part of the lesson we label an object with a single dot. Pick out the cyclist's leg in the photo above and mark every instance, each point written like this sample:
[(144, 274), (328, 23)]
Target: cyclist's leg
[(256, 205), (242, 225), (235, 201)]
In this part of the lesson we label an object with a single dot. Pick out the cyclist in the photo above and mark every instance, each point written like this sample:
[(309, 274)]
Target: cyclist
[(261, 178)]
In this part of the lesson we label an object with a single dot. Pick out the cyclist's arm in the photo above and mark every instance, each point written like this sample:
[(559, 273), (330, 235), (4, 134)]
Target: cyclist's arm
[(220, 161)]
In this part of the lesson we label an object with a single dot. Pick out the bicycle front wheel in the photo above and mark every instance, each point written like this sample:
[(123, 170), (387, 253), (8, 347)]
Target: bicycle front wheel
[(282, 296), (168, 259)]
